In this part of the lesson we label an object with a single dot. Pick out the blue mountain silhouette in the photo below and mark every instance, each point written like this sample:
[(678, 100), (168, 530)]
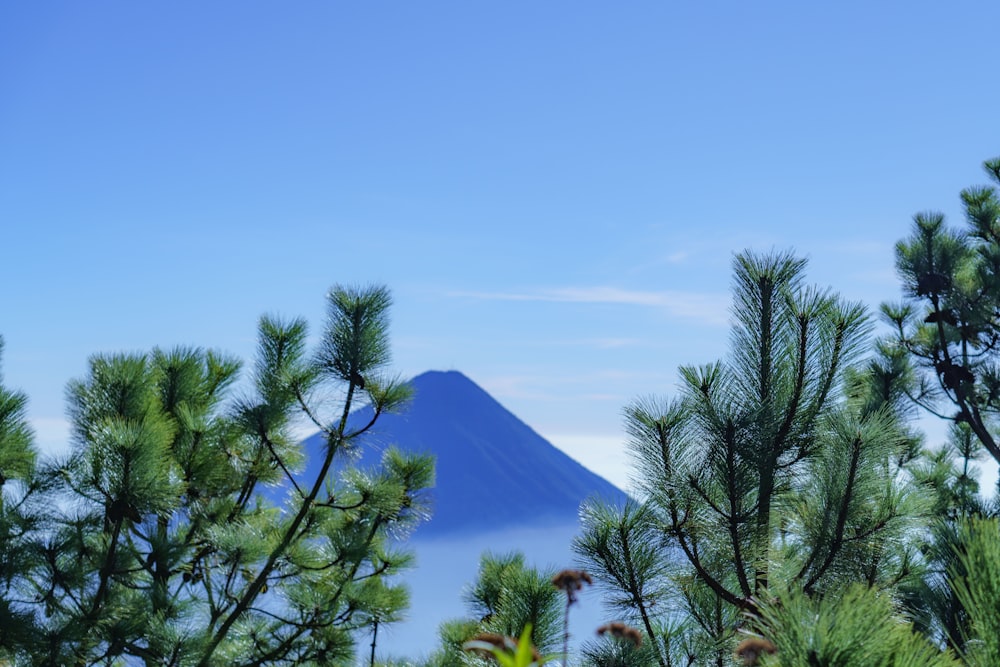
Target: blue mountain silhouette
[(492, 470)]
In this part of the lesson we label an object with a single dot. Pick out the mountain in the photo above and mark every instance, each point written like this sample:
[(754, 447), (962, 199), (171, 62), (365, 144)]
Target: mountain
[(493, 471), (499, 487)]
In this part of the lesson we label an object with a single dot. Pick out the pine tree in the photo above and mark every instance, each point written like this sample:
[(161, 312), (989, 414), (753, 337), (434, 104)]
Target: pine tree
[(856, 627), (948, 479), (976, 581), (944, 347), (775, 467), (949, 324), (155, 543), (17, 555), (507, 596)]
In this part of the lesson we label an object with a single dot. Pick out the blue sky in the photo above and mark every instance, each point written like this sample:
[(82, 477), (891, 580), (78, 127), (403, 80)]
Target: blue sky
[(552, 190)]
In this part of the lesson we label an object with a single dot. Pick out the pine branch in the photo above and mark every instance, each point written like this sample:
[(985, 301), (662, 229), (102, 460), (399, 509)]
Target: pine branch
[(253, 590), (838, 533)]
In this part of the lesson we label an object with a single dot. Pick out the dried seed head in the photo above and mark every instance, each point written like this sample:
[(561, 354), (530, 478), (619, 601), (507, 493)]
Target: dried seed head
[(571, 581), (619, 630), (750, 649)]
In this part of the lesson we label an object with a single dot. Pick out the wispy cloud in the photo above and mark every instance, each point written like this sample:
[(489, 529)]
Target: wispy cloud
[(710, 308)]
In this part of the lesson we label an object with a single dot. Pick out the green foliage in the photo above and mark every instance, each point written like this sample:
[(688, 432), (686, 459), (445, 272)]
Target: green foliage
[(858, 627), (507, 596), (948, 481), (151, 542), (18, 554), (611, 652), (944, 350), (17, 452), (453, 635), (851, 513), (356, 339), (950, 324), (777, 464), (622, 542), (520, 653), (975, 578), (621, 548)]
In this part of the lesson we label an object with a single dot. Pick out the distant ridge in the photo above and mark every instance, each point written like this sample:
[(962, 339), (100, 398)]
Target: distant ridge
[(493, 471)]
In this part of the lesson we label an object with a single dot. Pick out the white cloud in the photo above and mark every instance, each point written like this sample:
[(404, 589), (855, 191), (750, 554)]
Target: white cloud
[(602, 454), (710, 308), (302, 429)]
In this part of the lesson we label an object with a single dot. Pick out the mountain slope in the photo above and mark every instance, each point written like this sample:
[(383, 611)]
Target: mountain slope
[(493, 471)]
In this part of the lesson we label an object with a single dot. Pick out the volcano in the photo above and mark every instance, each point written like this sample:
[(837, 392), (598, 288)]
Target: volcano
[(492, 470)]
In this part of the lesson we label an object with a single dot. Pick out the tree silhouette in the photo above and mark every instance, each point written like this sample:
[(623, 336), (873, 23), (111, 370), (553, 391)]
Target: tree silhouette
[(949, 324)]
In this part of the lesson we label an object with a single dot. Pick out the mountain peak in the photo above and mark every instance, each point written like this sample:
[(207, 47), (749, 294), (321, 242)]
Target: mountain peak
[(493, 471), (448, 383)]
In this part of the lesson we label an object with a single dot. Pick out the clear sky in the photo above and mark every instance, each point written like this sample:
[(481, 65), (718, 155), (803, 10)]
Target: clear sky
[(552, 190)]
